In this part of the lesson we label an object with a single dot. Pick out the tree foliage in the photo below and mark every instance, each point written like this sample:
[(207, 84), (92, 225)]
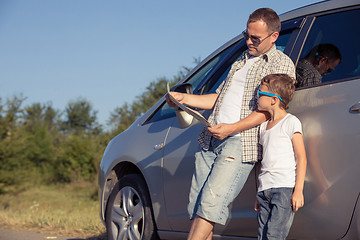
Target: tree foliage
[(80, 117), (40, 144)]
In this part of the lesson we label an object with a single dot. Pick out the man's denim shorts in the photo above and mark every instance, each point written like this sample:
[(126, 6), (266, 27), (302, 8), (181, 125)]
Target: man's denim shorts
[(219, 177)]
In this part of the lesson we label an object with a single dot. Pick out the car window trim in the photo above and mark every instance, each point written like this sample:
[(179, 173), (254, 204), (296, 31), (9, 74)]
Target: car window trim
[(298, 45)]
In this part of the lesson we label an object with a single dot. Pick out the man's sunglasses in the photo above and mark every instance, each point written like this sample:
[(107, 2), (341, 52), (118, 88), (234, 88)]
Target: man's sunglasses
[(261, 93), (255, 40)]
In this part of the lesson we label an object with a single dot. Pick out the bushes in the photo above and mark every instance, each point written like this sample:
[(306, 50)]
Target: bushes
[(36, 148), (40, 145), (78, 159)]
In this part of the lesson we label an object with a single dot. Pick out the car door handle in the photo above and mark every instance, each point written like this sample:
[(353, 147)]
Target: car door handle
[(355, 107), (159, 146)]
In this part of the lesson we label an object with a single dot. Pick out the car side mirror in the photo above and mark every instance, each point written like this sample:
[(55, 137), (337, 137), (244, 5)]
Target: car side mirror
[(185, 119), (183, 88)]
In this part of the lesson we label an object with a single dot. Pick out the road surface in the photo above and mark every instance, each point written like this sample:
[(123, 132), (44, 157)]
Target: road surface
[(7, 234)]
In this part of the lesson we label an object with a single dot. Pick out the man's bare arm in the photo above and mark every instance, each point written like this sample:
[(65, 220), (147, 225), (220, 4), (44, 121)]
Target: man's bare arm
[(206, 101), (223, 130)]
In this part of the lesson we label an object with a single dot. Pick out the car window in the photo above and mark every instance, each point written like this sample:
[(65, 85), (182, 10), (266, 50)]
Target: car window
[(220, 75), (331, 51), (195, 80), (282, 41), (200, 75)]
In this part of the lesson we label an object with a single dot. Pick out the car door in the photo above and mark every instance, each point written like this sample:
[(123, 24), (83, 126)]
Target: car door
[(185, 140), (180, 148), (329, 112)]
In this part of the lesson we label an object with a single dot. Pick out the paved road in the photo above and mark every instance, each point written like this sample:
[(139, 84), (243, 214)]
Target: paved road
[(6, 234)]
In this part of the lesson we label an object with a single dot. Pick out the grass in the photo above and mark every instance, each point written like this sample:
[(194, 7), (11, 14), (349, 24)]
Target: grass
[(67, 210)]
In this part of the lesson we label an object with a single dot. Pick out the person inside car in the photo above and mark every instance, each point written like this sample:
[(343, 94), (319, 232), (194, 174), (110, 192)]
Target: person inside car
[(322, 59)]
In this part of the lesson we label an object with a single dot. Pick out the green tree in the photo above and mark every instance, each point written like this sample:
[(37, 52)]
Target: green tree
[(124, 116), (40, 114), (80, 117), (9, 115), (78, 159), (11, 141), (39, 121)]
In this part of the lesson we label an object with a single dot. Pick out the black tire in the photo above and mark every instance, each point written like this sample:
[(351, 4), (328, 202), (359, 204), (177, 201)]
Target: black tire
[(129, 212)]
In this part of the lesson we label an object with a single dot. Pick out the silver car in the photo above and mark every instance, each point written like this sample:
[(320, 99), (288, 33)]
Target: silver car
[(146, 171)]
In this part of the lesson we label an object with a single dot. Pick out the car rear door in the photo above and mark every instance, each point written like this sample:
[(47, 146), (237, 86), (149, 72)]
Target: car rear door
[(329, 112)]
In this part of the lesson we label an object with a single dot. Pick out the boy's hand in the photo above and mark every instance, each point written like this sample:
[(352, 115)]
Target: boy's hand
[(257, 206), (297, 200)]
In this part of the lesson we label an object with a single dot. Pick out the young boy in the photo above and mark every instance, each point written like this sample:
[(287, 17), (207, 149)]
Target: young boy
[(283, 167)]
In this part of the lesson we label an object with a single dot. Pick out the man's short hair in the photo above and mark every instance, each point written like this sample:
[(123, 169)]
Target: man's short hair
[(282, 85), (267, 15), (324, 50)]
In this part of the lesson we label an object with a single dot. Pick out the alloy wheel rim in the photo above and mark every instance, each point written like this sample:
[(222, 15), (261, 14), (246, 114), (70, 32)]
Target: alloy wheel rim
[(127, 215)]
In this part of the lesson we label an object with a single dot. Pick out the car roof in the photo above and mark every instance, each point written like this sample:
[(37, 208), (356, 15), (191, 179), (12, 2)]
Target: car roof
[(314, 8), (318, 8)]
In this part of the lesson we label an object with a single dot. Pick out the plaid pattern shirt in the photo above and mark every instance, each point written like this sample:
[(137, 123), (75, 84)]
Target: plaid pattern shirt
[(306, 74), (274, 61)]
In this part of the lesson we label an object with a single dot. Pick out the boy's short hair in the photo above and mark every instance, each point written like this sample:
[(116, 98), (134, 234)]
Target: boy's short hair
[(267, 15), (282, 85)]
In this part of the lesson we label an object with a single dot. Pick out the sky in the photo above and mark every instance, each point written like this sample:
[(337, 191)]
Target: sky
[(108, 51)]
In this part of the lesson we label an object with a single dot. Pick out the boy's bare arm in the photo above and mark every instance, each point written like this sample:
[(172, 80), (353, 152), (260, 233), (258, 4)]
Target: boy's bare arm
[(300, 154), (206, 101), (223, 130)]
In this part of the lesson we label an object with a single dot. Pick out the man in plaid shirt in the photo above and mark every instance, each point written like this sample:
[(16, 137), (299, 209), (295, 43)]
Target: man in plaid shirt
[(230, 147)]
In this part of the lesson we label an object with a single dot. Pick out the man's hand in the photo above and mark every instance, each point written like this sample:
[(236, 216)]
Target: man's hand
[(221, 130), (178, 96)]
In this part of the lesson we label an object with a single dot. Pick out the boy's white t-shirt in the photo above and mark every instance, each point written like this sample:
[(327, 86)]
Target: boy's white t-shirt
[(278, 165), (230, 108)]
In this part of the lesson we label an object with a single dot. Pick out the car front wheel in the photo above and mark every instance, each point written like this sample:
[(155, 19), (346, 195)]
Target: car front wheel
[(129, 212)]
